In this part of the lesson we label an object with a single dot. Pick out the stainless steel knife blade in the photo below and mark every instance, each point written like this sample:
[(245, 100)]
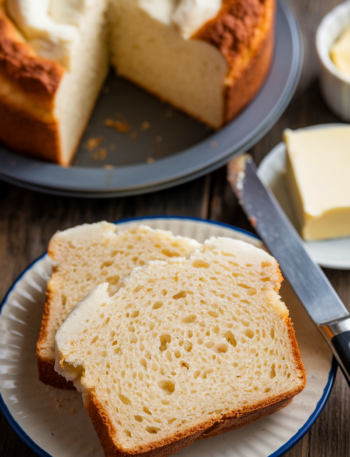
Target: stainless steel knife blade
[(307, 279)]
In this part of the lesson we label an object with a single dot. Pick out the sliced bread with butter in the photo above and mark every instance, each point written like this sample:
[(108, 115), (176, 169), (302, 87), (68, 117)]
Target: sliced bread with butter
[(185, 350), (86, 256)]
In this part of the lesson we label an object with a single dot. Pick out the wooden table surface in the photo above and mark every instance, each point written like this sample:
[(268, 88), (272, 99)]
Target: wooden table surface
[(29, 219)]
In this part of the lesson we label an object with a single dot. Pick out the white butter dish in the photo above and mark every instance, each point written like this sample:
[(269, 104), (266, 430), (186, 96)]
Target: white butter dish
[(335, 85)]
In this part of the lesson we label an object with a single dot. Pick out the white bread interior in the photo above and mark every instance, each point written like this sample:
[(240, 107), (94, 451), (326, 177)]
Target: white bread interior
[(143, 49), (182, 345), (82, 84), (91, 254)]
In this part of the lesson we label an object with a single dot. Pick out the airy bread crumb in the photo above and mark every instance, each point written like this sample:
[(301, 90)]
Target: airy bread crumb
[(86, 256), (186, 348)]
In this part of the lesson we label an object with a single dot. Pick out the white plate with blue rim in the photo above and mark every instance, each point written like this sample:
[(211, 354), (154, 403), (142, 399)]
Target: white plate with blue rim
[(333, 253), (54, 423)]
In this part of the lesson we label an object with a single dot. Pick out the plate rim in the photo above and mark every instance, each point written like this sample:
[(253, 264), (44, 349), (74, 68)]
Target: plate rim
[(278, 453), (264, 164), (198, 170)]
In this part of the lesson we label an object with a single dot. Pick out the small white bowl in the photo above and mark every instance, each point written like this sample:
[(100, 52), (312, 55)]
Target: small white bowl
[(335, 85)]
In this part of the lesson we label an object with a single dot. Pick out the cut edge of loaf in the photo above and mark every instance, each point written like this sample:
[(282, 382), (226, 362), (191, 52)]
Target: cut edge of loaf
[(245, 75), (47, 373)]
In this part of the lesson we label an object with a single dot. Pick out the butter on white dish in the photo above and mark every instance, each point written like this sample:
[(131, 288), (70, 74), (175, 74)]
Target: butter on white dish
[(340, 52), (318, 169)]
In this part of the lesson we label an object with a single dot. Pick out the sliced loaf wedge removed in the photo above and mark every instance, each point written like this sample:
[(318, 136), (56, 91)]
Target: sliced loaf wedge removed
[(186, 349), (86, 256)]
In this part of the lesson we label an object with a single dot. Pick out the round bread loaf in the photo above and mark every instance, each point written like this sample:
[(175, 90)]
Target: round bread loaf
[(45, 105)]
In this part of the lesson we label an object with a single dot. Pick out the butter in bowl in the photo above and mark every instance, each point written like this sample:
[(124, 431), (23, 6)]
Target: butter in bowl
[(340, 52), (333, 50)]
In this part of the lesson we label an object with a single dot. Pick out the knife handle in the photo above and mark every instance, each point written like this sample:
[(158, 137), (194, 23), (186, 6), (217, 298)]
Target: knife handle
[(337, 334), (341, 344)]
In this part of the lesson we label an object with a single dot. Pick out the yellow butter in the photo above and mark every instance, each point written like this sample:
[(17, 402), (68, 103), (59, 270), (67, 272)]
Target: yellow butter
[(318, 177), (340, 52)]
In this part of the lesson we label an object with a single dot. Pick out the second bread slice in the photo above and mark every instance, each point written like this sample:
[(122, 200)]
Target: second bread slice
[(86, 256)]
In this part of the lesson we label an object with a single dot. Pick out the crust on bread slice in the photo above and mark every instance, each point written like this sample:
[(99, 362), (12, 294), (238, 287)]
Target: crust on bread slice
[(86, 256), (185, 350), (105, 430)]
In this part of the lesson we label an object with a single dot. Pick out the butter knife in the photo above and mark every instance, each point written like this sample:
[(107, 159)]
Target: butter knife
[(307, 279)]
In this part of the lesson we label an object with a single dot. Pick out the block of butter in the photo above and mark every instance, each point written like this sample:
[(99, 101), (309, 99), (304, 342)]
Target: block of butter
[(318, 177), (340, 52)]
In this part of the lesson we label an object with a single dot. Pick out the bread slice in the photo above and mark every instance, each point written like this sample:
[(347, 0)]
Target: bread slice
[(86, 256), (186, 349)]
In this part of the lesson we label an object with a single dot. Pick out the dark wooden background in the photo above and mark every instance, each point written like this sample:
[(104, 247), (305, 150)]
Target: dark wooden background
[(29, 219)]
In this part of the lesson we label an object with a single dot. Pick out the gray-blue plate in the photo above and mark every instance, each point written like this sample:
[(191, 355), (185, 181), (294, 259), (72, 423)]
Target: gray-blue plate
[(179, 148)]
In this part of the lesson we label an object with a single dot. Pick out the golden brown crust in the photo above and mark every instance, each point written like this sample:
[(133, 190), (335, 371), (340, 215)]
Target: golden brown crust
[(232, 30), (36, 77), (26, 134), (244, 89), (215, 426), (28, 87), (103, 426), (243, 32), (49, 376), (233, 423), (296, 353), (105, 432), (46, 366)]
